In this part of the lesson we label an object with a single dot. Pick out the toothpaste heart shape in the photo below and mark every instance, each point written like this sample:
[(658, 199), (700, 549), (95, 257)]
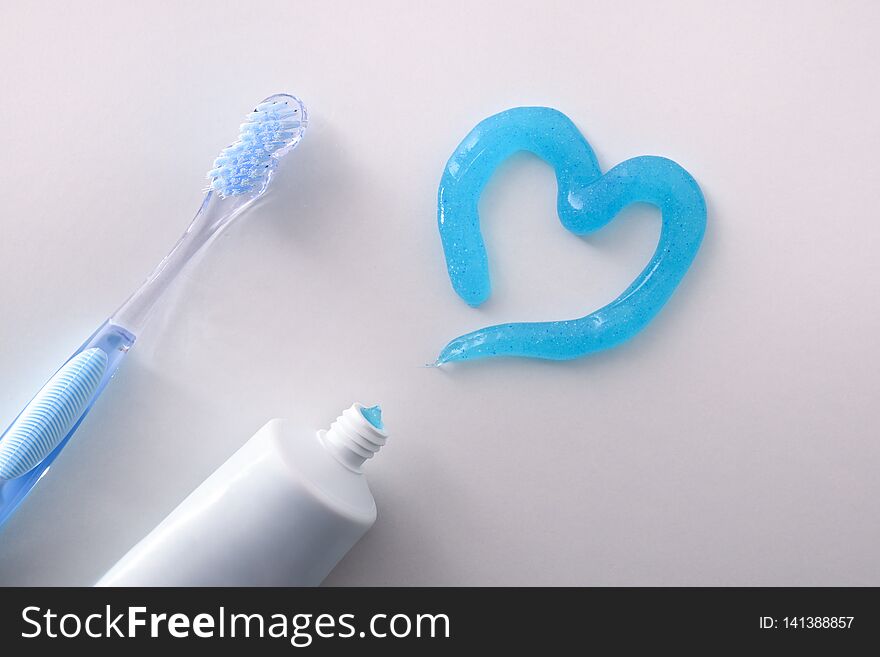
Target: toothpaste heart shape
[(586, 201)]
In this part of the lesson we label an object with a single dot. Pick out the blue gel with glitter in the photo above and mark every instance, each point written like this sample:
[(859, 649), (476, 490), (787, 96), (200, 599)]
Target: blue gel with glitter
[(373, 415), (587, 200)]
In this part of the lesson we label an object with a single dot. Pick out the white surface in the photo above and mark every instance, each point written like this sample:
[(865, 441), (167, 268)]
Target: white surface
[(733, 442)]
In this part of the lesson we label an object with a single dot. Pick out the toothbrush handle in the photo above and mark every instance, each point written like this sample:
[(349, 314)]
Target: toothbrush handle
[(39, 433)]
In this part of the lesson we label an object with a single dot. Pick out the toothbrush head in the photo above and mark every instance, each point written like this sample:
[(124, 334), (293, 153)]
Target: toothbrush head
[(269, 132)]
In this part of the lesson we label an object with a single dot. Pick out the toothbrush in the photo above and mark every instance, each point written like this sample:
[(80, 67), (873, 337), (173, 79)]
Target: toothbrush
[(241, 174)]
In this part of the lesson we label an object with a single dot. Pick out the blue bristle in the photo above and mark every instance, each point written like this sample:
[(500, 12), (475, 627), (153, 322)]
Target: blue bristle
[(271, 130)]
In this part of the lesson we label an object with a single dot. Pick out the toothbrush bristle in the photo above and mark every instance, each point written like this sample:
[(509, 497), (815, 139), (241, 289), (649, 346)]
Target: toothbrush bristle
[(274, 127)]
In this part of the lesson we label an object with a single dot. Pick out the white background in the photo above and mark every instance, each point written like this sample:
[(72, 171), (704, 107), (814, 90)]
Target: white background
[(735, 441)]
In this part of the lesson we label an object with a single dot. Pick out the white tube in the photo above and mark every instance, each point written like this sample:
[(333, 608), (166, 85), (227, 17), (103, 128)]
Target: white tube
[(282, 511)]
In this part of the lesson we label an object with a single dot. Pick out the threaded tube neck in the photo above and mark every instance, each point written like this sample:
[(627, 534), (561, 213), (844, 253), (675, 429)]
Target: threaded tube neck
[(352, 438)]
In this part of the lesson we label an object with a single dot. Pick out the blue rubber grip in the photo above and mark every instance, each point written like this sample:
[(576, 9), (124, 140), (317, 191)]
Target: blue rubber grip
[(35, 438)]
